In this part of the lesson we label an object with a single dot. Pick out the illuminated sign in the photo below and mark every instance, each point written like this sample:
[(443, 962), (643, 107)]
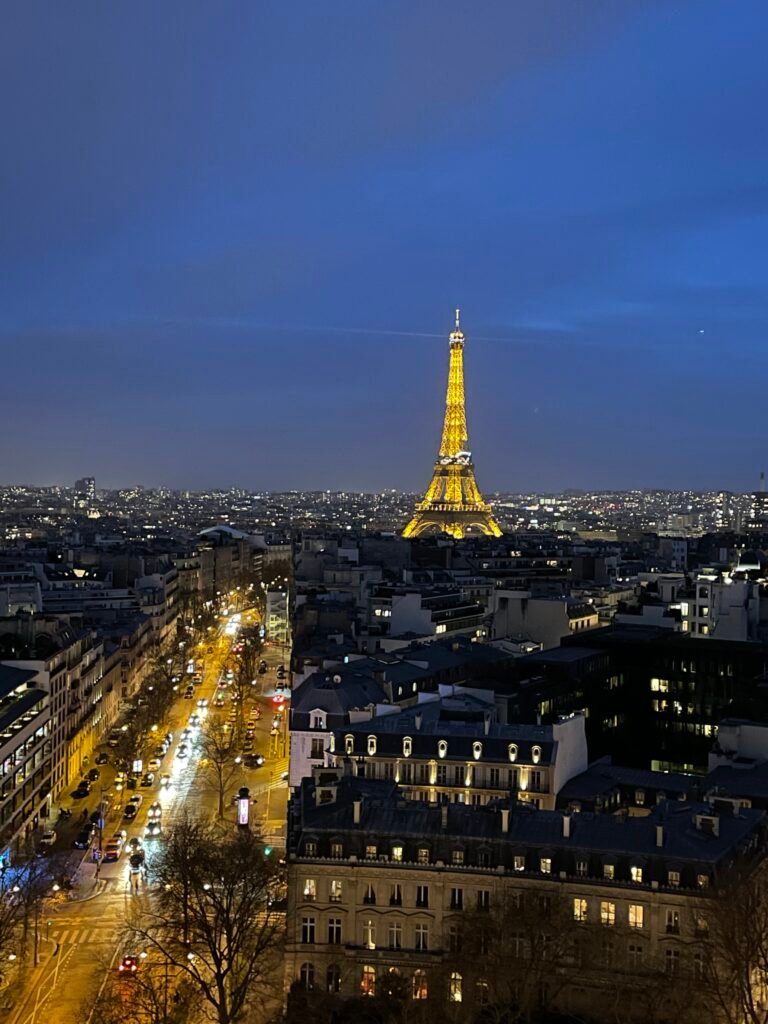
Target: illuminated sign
[(243, 804)]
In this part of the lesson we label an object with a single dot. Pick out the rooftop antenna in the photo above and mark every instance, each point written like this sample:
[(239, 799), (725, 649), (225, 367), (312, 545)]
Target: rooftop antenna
[(458, 319)]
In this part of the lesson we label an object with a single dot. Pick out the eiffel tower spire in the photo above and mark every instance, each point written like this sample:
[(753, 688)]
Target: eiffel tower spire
[(453, 503)]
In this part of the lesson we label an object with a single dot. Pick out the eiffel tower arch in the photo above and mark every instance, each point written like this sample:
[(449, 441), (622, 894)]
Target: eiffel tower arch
[(453, 503)]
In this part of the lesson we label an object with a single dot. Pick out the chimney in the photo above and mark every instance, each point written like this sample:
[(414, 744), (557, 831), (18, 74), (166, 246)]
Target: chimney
[(566, 826), (357, 805), (417, 720), (505, 819), (659, 835), (444, 817)]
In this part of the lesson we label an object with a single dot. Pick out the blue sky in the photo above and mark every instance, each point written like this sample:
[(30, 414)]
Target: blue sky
[(232, 236)]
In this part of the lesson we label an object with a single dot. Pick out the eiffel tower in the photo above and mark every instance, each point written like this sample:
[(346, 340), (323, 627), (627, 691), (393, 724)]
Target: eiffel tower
[(453, 503)]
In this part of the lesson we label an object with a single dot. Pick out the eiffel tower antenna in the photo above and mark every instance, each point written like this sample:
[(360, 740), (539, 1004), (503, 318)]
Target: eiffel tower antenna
[(453, 503)]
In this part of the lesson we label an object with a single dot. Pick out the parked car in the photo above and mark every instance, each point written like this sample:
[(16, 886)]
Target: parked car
[(148, 779), (102, 758), (154, 765), (83, 838), (189, 693), (112, 852), (47, 840), (93, 774), (129, 964), (83, 789)]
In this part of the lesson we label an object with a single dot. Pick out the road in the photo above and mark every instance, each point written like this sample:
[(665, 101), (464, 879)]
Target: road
[(82, 937)]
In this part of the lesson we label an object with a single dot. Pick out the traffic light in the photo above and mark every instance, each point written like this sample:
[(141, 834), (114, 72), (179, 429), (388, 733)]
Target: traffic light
[(267, 851)]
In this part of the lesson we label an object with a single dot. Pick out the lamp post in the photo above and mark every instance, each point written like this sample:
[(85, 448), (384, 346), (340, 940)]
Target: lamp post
[(38, 907)]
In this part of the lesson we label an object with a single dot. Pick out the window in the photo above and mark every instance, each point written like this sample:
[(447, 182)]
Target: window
[(482, 993), (442, 775), (442, 748), (457, 899), (609, 872), (483, 858), (673, 922), (536, 754), (337, 851), (636, 915), (369, 896), (607, 913), (333, 979), (422, 895), (420, 989), (334, 931), (397, 853), (310, 889), (396, 896), (635, 956), (310, 848), (422, 855), (698, 966), (454, 988), (493, 777), (457, 857), (371, 851), (395, 935), (335, 891), (477, 750), (318, 720), (581, 868), (307, 976), (407, 746), (512, 751), (307, 930), (318, 748), (349, 744), (369, 933), (672, 961), (422, 937), (458, 775), (368, 981), (579, 909), (636, 873), (519, 862), (545, 865), (371, 745), (702, 881), (483, 899), (701, 925), (673, 879), (454, 939)]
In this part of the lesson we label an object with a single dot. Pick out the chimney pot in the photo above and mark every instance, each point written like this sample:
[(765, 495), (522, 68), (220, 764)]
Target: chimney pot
[(357, 805), (566, 826), (505, 819), (659, 835)]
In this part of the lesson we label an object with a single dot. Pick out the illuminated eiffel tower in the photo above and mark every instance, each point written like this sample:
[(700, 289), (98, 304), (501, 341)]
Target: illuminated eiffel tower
[(453, 503)]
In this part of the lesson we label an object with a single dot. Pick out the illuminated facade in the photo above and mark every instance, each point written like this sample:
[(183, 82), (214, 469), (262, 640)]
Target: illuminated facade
[(453, 503)]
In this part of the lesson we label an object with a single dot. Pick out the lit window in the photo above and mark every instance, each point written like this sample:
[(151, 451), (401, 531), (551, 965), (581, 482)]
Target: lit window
[(545, 865), (519, 862), (457, 857), (368, 981), (702, 881), (369, 934), (636, 873), (607, 913), (442, 748), (337, 850), (335, 894), (579, 909), (422, 855), (636, 915), (407, 746), (609, 872), (310, 889), (673, 879), (371, 745), (441, 628), (397, 853), (307, 976), (535, 754), (477, 749), (349, 744), (420, 989), (454, 988), (371, 852), (512, 751), (581, 868)]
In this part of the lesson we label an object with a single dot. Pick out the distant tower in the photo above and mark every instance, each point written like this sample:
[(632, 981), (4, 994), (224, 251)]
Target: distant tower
[(453, 503)]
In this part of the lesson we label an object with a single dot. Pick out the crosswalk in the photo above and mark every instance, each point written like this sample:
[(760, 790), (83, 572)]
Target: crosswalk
[(92, 936)]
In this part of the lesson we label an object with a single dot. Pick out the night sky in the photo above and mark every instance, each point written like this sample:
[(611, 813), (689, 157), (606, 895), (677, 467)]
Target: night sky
[(232, 235)]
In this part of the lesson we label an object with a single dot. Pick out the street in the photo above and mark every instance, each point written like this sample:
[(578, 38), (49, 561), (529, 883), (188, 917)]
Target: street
[(83, 935)]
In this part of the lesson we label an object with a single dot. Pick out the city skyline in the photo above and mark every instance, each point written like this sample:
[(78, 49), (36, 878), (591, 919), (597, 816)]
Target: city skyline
[(239, 266)]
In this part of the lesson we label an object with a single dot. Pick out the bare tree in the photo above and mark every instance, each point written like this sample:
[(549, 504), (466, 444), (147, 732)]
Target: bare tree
[(220, 760), (214, 919)]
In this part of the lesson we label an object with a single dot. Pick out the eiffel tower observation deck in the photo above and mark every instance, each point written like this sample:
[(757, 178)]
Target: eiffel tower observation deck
[(453, 503)]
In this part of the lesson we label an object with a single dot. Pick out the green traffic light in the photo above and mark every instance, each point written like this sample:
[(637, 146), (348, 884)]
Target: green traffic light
[(267, 850)]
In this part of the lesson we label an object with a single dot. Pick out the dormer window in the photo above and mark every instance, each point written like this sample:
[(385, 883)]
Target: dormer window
[(317, 720), (349, 744), (442, 748), (512, 751), (407, 746), (371, 745), (536, 754), (477, 749)]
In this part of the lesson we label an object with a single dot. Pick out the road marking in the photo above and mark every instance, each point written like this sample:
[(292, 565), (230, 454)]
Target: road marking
[(93, 936)]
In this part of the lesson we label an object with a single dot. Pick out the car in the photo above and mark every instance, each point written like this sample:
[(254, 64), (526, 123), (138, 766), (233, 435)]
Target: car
[(131, 782), (165, 780), (203, 702), (278, 698), (137, 799), (112, 852), (273, 731), (136, 860), (169, 738), (93, 774), (153, 829), (119, 837), (185, 735), (129, 812), (102, 758), (154, 765), (129, 964), (47, 840), (148, 779), (219, 702), (83, 838), (113, 741), (253, 760), (182, 752), (96, 817), (189, 693), (280, 684), (162, 750), (155, 810), (194, 720), (134, 844)]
